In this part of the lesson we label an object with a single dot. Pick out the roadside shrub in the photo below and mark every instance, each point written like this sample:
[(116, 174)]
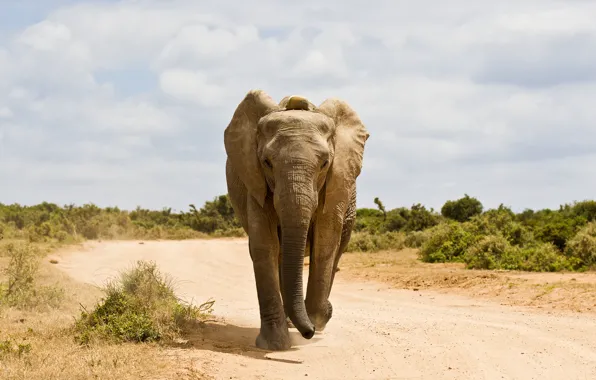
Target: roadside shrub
[(488, 253), (583, 246), (585, 209), (446, 242), (557, 232), (21, 271), (416, 239), (232, 232), (501, 221), (21, 290), (495, 252), (463, 209), (555, 226), (368, 220), (367, 242), (492, 221), (140, 306), (544, 257), (419, 218), (396, 220)]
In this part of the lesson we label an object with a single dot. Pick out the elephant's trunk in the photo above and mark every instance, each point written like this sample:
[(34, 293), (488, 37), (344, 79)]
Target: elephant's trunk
[(293, 245), (295, 204)]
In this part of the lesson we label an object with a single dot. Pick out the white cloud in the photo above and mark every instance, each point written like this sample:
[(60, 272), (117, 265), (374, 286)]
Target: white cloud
[(131, 116), (5, 113), (553, 21), (198, 44), (191, 86), (46, 36), (493, 99)]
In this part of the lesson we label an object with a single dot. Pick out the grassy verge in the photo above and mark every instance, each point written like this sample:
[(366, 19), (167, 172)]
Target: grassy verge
[(20, 287)]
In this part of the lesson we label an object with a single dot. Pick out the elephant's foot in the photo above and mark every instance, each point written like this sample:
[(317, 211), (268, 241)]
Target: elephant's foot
[(321, 317), (274, 337)]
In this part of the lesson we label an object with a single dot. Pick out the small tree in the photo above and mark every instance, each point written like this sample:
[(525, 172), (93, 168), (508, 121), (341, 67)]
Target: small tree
[(381, 207), (420, 218), (462, 209)]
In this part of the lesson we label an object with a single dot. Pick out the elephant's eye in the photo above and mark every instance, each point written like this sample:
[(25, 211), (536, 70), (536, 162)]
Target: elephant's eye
[(325, 164), (268, 163)]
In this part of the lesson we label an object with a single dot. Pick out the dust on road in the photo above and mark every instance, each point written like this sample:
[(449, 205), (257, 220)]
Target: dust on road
[(375, 332)]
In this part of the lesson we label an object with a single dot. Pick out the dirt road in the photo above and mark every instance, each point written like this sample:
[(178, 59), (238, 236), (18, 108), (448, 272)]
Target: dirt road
[(375, 333)]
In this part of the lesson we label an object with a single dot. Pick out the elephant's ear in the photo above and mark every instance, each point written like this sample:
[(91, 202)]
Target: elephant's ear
[(240, 140), (350, 138)]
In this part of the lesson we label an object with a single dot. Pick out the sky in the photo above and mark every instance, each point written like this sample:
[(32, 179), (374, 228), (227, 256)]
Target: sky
[(124, 103)]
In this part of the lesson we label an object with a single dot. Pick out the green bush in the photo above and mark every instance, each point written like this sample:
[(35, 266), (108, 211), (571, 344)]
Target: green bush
[(446, 242), (489, 253), (463, 209), (140, 306), (551, 226), (543, 257), (501, 222), (367, 242), (416, 239), (583, 246), (368, 220), (556, 232), (495, 252), (584, 209), (397, 220), (417, 218), (420, 218)]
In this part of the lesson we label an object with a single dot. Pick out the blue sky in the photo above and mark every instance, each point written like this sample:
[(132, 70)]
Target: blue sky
[(125, 102)]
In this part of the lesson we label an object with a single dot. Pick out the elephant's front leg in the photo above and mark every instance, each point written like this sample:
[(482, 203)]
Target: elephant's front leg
[(327, 236), (264, 251)]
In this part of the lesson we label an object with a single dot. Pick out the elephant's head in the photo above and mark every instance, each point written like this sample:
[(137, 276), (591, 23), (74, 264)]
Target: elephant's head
[(308, 158)]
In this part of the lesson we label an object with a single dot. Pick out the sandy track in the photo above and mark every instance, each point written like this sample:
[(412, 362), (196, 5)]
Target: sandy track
[(375, 333)]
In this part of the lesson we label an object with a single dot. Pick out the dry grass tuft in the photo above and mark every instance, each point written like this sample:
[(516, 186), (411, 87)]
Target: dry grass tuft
[(20, 288), (141, 306)]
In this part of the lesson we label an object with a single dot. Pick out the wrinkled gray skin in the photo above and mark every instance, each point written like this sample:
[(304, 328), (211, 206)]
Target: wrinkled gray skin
[(291, 175)]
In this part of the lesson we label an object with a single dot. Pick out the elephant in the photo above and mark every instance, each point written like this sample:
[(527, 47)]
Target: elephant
[(291, 173)]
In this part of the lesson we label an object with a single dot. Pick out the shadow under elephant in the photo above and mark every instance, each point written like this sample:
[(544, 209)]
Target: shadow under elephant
[(232, 339)]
